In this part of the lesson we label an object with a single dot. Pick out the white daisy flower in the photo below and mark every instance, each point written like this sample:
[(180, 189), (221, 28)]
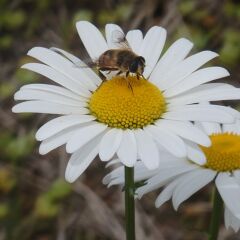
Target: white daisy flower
[(107, 118), (181, 179)]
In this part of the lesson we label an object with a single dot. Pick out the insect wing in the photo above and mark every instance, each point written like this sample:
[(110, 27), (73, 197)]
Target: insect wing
[(86, 63), (119, 40)]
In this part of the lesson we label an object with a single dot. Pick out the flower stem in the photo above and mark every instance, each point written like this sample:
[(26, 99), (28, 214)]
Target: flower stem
[(216, 215), (129, 203)]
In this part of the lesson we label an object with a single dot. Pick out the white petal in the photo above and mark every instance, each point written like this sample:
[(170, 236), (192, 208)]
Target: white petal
[(197, 78), (110, 144), (92, 39), (207, 113), (186, 67), (193, 182), (176, 53), (127, 151), (47, 107), (229, 128), (231, 220), (166, 193), (147, 149), (200, 88), (135, 38), (227, 217), (83, 136), (233, 127), (112, 162), (195, 153), (62, 65), (151, 47), (53, 89), (109, 31), (58, 124), (236, 174), (30, 94), (57, 140), (164, 175), (229, 190), (91, 74), (171, 142), (211, 128), (216, 94), (81, 159), (140, 173), (185, 130), (57, 77)]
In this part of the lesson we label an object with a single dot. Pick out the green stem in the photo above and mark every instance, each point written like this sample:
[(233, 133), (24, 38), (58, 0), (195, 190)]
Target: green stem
[(129, 203), (216, 215)]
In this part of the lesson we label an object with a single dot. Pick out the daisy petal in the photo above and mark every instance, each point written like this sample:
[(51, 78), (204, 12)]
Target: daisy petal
[(62, 65), (210, 127), (57, 77), (215, 94), (231, 220), (83, 136), (147, 149), (166, 193), (185, 130), (175, 54), (197, 78), (92, 39), (230, 128), (53, 89), (31, 94), (58, 124), (127, 151), (81, 159), (110, 144), (135, 38), (117, 175), (229, 190), (151, 47), (207, 113), (164, 175), (195, 153), (169, 141), (186, 67), (48, 107), (56, 140), (112, 162), (192, 182), (236, 174)]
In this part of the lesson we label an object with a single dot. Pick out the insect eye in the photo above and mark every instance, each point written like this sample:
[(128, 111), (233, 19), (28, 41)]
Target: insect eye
[(134, 66)]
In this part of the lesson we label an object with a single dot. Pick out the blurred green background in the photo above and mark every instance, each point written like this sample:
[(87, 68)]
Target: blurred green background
[(35, 201)]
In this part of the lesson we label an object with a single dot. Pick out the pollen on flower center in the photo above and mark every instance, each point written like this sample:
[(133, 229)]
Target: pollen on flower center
[(118, 105), (224, 154)]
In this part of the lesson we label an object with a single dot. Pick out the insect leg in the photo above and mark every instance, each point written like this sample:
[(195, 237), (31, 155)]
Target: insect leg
[(101, 75), (120, 72), (129, 85)]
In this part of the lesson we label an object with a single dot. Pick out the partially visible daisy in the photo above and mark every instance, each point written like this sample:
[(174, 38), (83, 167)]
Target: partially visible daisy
[(181, 179), (108, 119)]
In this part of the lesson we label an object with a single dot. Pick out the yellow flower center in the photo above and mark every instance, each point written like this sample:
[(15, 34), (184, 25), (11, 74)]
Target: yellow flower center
[(224, 154), (127, 103)]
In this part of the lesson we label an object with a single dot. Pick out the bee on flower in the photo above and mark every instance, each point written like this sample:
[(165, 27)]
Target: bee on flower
[(104, 118)]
